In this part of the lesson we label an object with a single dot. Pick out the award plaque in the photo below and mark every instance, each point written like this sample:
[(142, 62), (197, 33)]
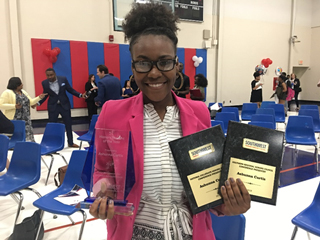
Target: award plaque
[(114, 175), (254, 155), (198, 158)]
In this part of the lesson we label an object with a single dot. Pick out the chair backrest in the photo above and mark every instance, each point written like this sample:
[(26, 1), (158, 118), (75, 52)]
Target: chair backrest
[(300, 126), (264, 118), (266, 104), (4, 143), (54, 135), (19, 133), (229, 227), (266, 111), (225, 117), (74, 170), (314, 113), (26, 162), (316, 107), (248, 109), (93, 122), (279, 112), (232, 109), (217, 122), (263, 124)]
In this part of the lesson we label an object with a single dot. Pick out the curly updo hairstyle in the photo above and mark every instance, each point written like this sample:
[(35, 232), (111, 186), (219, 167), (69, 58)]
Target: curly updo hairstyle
[(202, 80), (150, 19)]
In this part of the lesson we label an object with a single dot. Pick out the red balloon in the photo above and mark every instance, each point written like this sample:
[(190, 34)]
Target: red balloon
[(53, 53), (57, 49), (266, 65), (47, 51), (53, 59)]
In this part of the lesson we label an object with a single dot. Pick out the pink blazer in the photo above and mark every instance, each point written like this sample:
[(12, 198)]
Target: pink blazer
[(127, 114)]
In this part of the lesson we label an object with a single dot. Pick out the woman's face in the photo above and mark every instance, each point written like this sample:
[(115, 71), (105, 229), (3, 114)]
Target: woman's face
[(196, 80), (128, 84), (20, 87), (92, 78), (155, 84)]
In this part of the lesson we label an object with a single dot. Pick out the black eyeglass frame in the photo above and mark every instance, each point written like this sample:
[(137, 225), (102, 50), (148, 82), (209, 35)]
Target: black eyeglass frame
[(154, 63)]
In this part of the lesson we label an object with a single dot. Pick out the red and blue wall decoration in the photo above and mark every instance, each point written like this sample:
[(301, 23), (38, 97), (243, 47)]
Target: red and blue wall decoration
[(78, 59)]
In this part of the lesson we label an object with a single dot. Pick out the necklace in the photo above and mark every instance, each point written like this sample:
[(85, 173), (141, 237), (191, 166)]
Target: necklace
[(182, 80)]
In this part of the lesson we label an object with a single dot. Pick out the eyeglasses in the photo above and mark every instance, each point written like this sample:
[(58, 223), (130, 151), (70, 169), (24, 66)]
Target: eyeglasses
[(163, 65)]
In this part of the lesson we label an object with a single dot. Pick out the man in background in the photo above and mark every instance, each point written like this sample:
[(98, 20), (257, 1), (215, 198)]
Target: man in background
[(109, 86), (182, 84), (58, 102)]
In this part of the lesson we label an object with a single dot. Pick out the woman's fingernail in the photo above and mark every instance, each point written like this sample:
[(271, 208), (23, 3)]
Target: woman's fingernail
[(239, 180), (232, 180), (227, 183)]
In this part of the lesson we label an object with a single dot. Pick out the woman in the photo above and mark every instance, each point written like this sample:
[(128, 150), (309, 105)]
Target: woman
[(91, 92), (200, 82), (295, 83), (281, 90), (256, 92), (154, 117), (127, 90), (16, 104)]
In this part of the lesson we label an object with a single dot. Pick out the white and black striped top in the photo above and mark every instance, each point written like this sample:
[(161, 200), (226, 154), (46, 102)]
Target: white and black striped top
[(162, 186)]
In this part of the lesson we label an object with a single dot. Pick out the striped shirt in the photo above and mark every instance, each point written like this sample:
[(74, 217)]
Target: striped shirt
[(161, 210)]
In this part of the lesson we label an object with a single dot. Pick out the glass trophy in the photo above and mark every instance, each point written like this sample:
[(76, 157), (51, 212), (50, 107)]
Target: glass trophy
[(112, 156)]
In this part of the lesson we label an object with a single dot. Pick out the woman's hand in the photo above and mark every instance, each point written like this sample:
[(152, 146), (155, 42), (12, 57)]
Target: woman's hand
[(103, 206), (236, 198), (18, 106), (42, 95)]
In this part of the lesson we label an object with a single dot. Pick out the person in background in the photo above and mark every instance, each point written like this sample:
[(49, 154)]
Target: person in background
[(154, 117), (127, 90), (295, 85), (182, 84), (256, 89), (109, 86), (134, 85), (58, 103), (200, 82), (91, 92), (281, 90), (16, 102)]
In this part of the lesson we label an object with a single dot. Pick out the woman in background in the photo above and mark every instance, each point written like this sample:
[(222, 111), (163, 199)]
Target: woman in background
[(256, 86), (200, 82), (15, 103), (127, 91), (91, 91)]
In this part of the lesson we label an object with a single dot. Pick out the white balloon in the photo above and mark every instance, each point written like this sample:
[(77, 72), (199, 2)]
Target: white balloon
[(200, 59), (196, 64), (194, 58)]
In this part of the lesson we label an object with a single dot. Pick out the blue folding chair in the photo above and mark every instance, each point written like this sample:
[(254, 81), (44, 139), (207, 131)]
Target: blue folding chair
[(23, 172), (315, 107), (73, 177), (87, 137), (266, 104), (229, 227), (314, 113), (248, 109), (4, 143), (269, 125), (309, 218), (232, 109), (300, 131), (279, 113), (52, 142), (264, 118), (225, 117), (19, 133)]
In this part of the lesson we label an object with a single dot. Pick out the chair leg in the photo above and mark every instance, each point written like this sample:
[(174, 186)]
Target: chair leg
[(294, 233), (19, 207), (83, 223), (316, 153), (62, 157), (44, 162), (49, 170), (71, 220), (80, 145), (14, 197), (41, 219)]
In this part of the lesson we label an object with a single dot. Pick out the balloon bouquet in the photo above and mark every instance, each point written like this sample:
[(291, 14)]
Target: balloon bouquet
[(52, 54)]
